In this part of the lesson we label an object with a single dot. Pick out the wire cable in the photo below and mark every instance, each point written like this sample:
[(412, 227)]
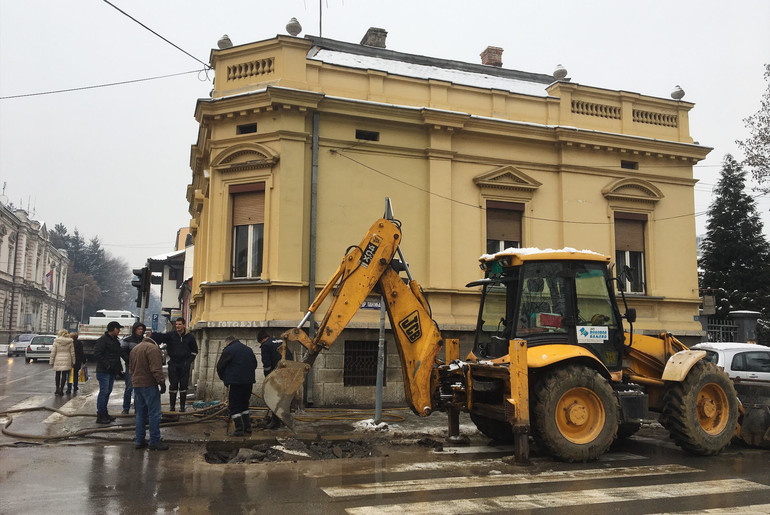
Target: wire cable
[(206, 65), (450, 199), (105, 85)]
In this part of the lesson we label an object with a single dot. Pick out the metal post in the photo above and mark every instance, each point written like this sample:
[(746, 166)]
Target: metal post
[(82, 303), (380, 364)]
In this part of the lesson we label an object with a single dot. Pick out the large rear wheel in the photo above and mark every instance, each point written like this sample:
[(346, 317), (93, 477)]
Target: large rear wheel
[(701, 412), (575, 413)]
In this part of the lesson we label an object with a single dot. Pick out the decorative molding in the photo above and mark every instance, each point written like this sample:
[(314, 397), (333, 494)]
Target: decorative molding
[(508, 178), (245, 157), (633, 190)]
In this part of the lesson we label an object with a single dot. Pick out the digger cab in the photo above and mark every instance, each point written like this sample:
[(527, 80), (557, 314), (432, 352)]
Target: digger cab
[(548, 297)]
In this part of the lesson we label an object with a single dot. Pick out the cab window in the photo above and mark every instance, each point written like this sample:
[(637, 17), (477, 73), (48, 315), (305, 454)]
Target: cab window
[(593, 301), (542, 307)]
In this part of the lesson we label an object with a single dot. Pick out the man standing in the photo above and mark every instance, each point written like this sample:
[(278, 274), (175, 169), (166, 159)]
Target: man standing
[(182, 349), (107, 356), (270, 349), (146, 369), (128, 343), (236, 367)]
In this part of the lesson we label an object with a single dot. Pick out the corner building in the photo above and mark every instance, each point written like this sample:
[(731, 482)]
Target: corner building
[(475, 158)]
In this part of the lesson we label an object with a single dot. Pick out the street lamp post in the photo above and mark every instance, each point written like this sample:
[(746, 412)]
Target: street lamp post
[(82, 301)]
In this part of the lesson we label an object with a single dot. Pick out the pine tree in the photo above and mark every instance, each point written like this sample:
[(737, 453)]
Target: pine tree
[(736, 255)]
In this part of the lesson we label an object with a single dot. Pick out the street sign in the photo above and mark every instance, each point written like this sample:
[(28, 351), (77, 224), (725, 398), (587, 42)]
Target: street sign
[(154, 322)]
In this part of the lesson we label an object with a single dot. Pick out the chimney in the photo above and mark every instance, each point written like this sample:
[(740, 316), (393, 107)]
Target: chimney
[(375, 37), (492, 56)]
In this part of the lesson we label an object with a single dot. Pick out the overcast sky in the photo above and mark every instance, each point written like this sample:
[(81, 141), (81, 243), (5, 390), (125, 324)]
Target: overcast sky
[(114, 161)]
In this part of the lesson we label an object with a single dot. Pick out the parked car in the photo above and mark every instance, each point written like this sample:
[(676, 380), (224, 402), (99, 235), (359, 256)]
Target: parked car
[(747, 364), (18, 345), (4, 349), (39, 347)]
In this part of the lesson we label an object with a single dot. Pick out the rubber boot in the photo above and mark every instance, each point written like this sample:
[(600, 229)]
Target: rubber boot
[(238, 423), (182, 400), (246, 422), (172, 401)]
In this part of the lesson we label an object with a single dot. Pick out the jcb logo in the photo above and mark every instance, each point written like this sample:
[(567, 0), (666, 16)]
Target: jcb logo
[(411, 327), (370, 251)]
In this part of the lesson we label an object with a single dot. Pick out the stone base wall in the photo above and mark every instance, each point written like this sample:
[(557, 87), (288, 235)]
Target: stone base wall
[(326, 381)]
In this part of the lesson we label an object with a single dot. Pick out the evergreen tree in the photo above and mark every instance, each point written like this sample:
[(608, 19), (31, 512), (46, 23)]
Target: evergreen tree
[(736, 255)]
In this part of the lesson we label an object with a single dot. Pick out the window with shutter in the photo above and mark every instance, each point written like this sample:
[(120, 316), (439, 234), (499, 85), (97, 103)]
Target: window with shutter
[(503, 225), (629, 251), (248, 222)]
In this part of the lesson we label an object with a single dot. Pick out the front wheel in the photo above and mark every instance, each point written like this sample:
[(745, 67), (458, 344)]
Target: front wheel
[(701, 412), (576, 413)]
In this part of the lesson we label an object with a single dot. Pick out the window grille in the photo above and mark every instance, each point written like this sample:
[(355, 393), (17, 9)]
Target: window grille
[(360, 364)]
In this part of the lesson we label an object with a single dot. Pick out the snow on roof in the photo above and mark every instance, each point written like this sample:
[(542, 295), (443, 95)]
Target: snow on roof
[(529, 251), (168, 255), (421, 71)]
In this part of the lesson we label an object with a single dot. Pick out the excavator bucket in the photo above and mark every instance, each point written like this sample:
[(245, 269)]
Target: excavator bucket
[(281, 385), (755, 426)]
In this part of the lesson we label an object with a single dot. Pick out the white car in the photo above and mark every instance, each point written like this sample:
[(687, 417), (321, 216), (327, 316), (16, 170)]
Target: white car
[(747, 364)]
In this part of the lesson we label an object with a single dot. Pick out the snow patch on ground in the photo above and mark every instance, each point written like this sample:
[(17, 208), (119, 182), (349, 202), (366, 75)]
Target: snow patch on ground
[(369, 425)]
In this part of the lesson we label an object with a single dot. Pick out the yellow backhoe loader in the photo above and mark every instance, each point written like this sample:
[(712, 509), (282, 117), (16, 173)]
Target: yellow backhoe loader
[(550, 360)]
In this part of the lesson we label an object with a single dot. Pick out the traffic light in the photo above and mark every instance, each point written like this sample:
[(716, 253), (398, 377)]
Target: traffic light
[(141, 283)]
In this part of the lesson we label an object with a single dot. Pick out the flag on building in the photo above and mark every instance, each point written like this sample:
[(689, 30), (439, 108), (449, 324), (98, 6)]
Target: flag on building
[(48, 282)]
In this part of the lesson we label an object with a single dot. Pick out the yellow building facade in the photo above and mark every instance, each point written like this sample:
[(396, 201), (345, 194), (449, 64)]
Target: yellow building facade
[(309, 135)]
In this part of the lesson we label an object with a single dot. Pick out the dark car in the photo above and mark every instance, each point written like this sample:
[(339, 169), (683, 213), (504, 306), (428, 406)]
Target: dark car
[(18, 345)]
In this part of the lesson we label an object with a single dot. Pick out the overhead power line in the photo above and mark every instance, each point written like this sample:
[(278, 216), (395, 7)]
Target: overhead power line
[(124, 13), (94, 86), (341, 153)]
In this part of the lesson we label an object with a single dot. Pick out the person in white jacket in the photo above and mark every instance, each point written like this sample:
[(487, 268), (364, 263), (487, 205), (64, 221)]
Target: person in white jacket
[(62, 359)]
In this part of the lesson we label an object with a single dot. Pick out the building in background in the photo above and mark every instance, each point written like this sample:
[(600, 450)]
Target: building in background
[(475, 158), (33, 276)]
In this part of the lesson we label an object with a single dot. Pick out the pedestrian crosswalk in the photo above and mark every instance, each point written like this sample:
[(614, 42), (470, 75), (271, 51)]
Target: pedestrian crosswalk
[(489, 485), (565, 498)]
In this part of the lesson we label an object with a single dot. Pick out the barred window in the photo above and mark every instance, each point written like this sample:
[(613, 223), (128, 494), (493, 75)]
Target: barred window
[(360, 364)]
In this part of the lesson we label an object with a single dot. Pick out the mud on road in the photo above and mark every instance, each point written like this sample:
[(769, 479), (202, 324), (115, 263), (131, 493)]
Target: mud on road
[(292, 449)]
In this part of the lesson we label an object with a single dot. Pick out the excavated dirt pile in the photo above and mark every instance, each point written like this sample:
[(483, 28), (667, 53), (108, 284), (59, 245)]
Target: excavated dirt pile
[(290, 449)]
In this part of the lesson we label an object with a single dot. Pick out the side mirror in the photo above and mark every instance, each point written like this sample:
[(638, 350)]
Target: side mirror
[(631, 315)]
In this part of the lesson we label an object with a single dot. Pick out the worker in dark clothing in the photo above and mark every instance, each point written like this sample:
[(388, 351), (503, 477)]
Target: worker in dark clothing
[(182, 349), (270, 350), (107, 356), (236, 368), (128, 343)]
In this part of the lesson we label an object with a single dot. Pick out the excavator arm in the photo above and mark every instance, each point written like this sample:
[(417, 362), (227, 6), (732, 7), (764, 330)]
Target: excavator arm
[(365, 268)]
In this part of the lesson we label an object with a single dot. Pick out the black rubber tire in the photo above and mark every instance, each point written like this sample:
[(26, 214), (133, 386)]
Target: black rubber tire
[(497, 430), (545, 400), (628, 429), (27, 360), (681, 409)]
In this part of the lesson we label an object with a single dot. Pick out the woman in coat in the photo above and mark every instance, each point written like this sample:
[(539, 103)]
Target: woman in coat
[(80, 359), (62, 359)]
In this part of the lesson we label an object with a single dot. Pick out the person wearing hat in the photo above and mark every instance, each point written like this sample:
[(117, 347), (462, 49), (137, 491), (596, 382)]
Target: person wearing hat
[(145, 364), (107, 356)]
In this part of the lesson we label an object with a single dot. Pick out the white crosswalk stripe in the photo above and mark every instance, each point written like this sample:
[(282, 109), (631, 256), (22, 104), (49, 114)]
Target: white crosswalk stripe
[(351, 469), (423, 485), (567, 497)]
